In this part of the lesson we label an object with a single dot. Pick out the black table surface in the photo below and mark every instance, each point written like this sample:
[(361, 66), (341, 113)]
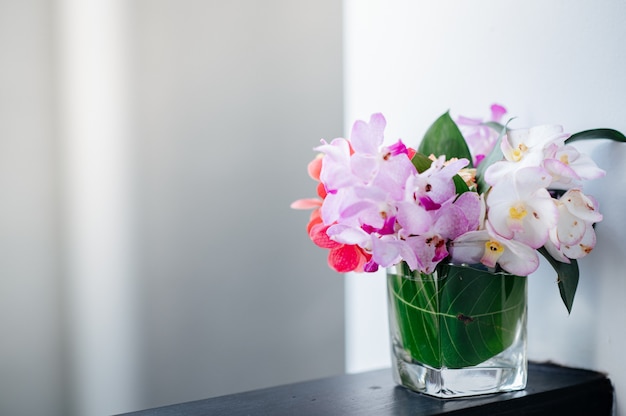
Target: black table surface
[(551, 390)]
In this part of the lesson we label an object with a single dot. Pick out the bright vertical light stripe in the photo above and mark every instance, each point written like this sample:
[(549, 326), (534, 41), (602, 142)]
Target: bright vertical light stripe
[(95, 139), (367, 338)]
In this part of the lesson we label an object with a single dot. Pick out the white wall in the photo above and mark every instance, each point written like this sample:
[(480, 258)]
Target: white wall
[(548, 62)]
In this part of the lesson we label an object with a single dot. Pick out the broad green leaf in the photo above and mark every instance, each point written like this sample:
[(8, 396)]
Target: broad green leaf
[(444, 138), (567, 277), (494, 156), (459, 318), (597, 134)]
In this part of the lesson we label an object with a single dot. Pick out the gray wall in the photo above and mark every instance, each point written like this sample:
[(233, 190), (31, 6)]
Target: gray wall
[(228, 99), (31, 370)]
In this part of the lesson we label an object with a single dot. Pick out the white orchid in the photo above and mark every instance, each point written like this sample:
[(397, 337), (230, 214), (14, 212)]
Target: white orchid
[(568, 167), (524, 148), (490, 249), (574, 236), (520, 207)]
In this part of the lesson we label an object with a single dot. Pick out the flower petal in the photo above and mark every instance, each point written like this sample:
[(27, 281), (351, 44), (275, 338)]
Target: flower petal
[(344, 258), (581, 205), (518, 258), (450, 222), (471, 206), (368, 137), (320, 237), (314, 167), (469, 247), (553, 246), (306, 203), (570, 229), (413, 218), (385, 252), (348, 235), (584, 246)]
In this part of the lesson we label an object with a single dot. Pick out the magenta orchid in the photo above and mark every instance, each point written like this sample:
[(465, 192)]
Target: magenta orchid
[(384, 204)]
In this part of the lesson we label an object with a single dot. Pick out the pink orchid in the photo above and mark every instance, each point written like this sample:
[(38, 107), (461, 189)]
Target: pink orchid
[(341, 257), (386, 249), (434, 186), (362, 176), (364, 181), (479, 137), (429, 239)]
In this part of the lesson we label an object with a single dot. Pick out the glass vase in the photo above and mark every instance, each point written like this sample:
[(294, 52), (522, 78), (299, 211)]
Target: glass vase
[(460, 331)]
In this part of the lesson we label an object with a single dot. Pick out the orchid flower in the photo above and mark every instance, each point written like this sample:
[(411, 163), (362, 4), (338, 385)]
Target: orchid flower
[(480, 138), (568, 167), (574, 208), (490, 249), (524, 148), (342, 258), (386, 249), (584, 246), (389, 250), (365, 180), (362, 175), (378, 204), (360, 160), (574, 236), (434, 186), (370, 222), (429, 239), (520, 207)]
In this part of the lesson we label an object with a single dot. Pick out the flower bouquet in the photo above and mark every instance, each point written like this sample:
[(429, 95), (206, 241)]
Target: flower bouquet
[(458, 224)]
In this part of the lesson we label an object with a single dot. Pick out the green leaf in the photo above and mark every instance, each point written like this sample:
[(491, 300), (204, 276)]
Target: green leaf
[(597, 134), (567, 277), (457, 318), (494, 156), (460, 185), (444, 138), (421, 162)]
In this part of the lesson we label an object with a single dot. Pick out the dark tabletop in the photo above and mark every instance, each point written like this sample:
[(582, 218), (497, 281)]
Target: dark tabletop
[(551, 390)]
